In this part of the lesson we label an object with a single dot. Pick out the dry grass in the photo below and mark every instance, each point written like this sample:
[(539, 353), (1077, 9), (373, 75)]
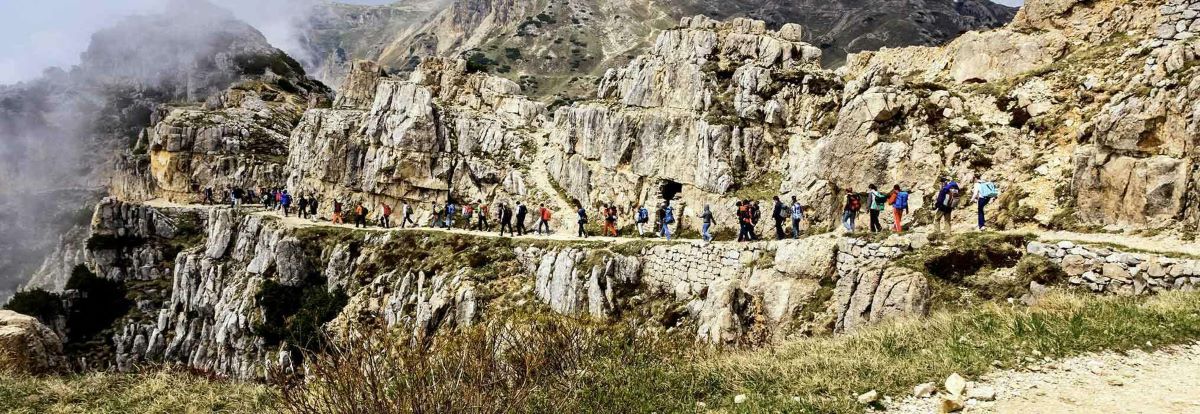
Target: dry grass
[(160, 392), (557, 365)]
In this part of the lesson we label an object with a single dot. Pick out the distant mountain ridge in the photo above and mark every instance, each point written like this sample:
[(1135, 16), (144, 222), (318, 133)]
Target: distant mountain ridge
[(561, 47)]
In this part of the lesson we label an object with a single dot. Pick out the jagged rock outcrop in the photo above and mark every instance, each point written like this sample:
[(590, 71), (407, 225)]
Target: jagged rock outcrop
[(442, 129), (869, 290), (543, 44), (709, 110), (730, 292), (29, 347)]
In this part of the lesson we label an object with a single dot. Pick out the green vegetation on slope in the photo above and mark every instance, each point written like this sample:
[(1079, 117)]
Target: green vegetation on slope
[(556, 365)]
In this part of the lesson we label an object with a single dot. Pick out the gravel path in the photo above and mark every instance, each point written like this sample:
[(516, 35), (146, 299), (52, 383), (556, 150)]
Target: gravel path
[(1167, 381)]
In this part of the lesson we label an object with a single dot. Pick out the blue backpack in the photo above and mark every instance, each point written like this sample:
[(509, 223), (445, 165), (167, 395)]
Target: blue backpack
[(669, 215), (643, 215), (901, 201), (988, 190)]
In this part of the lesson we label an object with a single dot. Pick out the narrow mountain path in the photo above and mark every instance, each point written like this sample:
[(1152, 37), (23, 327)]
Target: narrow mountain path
[(1165, 381), (1148, 244)]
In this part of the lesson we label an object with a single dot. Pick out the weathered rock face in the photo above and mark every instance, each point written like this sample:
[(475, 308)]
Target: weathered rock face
[(28, 347), (870, 291), (710, 109), (443, 129), (136, 242), (526, 41), (729, 293)]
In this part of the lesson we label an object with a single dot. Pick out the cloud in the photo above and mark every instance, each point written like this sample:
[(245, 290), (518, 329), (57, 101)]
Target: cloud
[(52, 33)]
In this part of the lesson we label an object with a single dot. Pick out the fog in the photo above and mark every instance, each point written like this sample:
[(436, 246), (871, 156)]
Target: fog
[(62, 129), (41, 34)]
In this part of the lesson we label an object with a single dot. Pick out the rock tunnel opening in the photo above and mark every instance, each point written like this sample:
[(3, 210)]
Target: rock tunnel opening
[(668, 189)]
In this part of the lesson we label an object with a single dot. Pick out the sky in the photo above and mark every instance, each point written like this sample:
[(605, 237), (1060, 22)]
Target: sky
[(42, 33)]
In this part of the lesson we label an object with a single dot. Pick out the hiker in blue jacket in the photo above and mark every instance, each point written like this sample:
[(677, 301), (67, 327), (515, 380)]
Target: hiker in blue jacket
[(668, 219), (985, 192), (947, 199)]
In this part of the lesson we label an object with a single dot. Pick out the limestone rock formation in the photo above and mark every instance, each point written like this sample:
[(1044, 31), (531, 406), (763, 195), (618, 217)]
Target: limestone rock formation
[(442, 130), (874, 295), (28, 347), (554, 48)]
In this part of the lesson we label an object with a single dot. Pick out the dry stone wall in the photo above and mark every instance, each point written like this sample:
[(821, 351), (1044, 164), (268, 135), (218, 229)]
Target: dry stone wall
[(1106, 270)]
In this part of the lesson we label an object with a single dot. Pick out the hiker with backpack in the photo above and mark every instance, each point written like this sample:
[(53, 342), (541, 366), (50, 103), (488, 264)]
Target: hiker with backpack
[(337, 212), (755, 217), (582, 220), (451, 209), (706, 220), (643, 217), (780, 213), (468, 212), (385, 219), (878, 201), (302, 207), (985, 192), (947, 198), (543, 219), (898, 199), (522, 211), (744, 219), (483, 224), (850, 211), (406, 212), (312, 207), (286, 202), (797, 217), (360, 216), (505, 215), (668, 219)]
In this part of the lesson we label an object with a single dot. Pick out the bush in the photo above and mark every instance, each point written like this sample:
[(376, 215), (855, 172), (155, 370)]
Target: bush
[(296, 314), (519, 365), (99, 304), (38, 303)]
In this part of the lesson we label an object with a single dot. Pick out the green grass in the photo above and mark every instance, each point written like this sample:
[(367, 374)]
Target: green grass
[(823, 374), (160, 392), (617, 369)]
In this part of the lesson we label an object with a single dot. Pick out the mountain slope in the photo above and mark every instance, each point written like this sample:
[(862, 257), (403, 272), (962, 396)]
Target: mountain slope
[(559, 47)]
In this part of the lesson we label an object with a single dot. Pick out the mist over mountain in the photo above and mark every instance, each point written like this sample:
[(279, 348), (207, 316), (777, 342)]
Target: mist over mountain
[(63, 132)]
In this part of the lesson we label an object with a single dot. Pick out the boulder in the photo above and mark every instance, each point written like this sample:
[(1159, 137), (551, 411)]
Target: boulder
[(870, 294), (28, 347)]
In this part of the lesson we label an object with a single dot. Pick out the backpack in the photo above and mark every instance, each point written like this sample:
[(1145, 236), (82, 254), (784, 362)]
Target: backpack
[(582, 216), (988, 190), (643, 215), (669, 215), (797, 212), (901, 201), (546, 214), (879, 200), (855, 204)]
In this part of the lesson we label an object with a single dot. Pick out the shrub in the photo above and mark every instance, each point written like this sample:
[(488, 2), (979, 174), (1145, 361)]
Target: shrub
[(38, 303), (518, 365), (99, 303), (296, 314)]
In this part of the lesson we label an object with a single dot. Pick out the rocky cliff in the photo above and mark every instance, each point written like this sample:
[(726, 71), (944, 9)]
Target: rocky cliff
[(556, 47)]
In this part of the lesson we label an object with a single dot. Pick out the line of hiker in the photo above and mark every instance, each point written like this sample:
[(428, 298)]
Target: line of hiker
[(947, 200), (790, 219)]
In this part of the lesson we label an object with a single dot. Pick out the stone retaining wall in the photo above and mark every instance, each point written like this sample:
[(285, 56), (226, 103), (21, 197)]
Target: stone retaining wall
[(1106, 270)]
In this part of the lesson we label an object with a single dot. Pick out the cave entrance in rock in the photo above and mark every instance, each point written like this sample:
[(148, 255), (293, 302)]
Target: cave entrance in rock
[(668, 189)]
